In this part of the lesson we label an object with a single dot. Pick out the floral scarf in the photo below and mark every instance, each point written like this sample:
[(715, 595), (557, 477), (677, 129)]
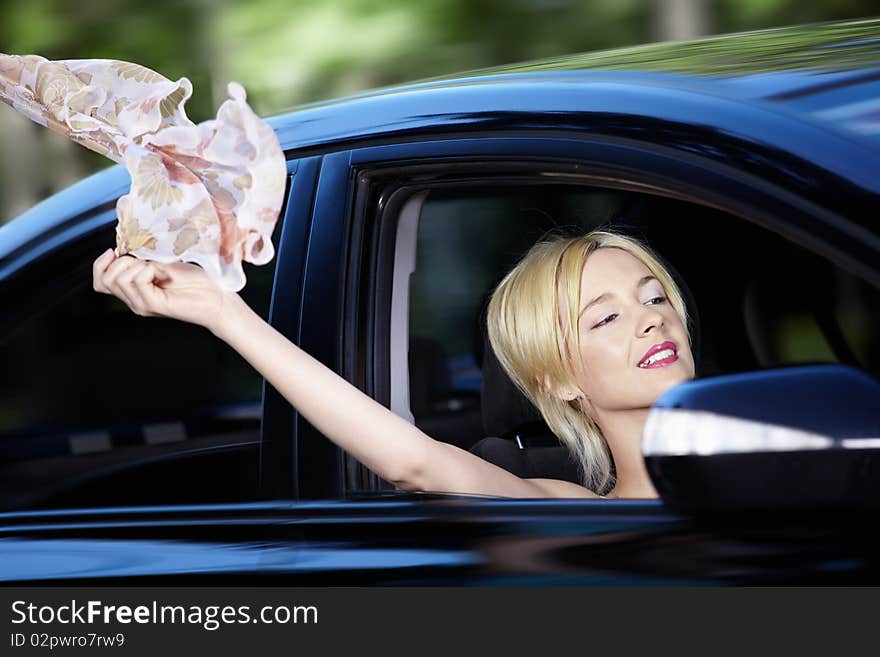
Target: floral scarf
[(207, 193)]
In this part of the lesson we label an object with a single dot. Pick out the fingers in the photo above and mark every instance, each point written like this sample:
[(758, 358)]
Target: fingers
[(121, 282), (146, 295), (100, 265), (125, 285), (117, 279)]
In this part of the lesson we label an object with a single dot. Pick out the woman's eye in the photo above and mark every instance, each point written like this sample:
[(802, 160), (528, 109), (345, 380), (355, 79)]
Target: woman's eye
[(605, 321), (657, 300)]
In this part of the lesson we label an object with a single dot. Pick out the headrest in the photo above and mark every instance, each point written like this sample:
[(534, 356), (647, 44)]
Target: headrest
[(794, 288), (505, 409)]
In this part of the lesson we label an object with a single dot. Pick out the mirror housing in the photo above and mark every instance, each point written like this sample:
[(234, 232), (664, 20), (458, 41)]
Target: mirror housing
[(798, 437)]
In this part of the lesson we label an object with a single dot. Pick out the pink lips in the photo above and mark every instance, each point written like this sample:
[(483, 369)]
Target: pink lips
[(663, 362)]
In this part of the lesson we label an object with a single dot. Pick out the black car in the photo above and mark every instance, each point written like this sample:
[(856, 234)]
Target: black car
[(146, 450)]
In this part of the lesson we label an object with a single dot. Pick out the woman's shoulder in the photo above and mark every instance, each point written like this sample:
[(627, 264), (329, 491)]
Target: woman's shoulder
[(561, 488)]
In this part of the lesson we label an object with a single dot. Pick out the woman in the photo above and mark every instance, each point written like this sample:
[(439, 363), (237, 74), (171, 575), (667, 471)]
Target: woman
[(592, 329)]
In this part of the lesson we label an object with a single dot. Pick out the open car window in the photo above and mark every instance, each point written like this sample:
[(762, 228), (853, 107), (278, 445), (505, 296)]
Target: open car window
[(757, 300)]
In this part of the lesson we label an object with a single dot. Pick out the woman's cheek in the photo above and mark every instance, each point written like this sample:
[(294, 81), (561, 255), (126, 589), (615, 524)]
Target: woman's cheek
[(599, 350)]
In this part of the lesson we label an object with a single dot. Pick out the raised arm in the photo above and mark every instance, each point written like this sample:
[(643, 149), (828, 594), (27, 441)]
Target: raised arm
[(390, 446)]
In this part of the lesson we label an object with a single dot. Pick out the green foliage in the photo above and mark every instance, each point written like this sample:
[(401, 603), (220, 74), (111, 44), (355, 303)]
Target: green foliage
[(167, 36), (294, 51), (288, 52), (832, 46)]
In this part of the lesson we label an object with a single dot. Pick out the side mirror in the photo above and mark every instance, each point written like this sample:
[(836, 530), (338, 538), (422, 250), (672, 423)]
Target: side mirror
[(806, 437)]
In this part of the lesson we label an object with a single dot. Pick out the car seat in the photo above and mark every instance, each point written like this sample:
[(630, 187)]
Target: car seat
[(446, 414)]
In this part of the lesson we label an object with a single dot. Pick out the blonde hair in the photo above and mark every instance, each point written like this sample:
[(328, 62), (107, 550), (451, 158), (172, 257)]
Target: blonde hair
[(533, 346)]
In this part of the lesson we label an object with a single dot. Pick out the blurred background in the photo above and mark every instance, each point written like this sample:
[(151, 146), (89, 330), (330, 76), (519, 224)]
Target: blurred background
[(288, 52)]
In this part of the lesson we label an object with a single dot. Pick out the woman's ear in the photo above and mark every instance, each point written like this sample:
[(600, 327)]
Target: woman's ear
[(568, 394), (563, 392)]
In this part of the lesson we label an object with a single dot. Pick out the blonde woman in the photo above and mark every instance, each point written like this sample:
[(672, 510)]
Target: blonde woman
[(592, 329)]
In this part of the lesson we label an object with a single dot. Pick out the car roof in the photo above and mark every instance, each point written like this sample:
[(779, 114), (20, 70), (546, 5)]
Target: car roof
[(827, 73), (825, 76)]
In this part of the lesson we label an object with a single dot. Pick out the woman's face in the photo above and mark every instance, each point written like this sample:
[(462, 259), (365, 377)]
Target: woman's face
[(633, 345)]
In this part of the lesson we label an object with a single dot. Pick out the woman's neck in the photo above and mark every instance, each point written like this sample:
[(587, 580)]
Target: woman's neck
[(623, 433)]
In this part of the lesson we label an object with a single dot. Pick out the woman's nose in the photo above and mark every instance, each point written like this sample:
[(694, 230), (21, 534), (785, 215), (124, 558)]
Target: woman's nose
[(650, 320)]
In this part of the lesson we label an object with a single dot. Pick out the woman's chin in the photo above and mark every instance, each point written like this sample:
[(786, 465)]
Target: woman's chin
[(670, 376)]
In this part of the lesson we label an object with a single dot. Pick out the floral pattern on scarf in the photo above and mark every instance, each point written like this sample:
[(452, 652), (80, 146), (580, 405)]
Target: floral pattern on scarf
[(207, 193)]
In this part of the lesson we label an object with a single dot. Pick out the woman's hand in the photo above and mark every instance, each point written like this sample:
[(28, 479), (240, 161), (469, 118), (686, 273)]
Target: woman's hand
[(151, 289)]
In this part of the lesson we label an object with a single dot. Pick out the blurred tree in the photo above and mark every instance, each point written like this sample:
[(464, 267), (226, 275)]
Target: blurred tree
[(738, 15), (293, 52), (678, 20)]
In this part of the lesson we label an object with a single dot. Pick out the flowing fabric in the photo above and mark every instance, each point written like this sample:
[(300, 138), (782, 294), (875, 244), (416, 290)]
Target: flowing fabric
[(207, 193)]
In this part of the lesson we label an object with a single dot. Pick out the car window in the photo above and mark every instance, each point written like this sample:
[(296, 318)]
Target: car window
[(757, 300), (99, 406)]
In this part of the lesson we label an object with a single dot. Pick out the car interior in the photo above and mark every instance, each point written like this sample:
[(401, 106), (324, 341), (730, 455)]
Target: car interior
[(755, 301)]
